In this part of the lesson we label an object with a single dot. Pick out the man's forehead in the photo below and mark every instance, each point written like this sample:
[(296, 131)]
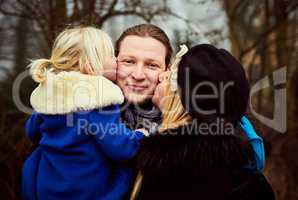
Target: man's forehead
[(136, 46)]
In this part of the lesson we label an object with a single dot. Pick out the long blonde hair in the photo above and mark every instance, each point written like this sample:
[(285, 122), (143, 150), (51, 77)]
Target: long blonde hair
[(173, 112), (83, 49)]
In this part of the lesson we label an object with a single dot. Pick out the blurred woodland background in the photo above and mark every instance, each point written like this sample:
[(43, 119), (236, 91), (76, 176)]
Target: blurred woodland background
[(262, 34)]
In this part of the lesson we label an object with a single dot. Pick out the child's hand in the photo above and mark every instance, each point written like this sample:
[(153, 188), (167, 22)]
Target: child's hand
[(144, 131)]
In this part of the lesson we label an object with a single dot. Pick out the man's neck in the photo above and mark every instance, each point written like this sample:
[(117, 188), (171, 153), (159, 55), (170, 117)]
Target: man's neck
[(144, 106)]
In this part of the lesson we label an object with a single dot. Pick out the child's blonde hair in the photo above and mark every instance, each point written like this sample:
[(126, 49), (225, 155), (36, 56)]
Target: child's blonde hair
[(83, 49)]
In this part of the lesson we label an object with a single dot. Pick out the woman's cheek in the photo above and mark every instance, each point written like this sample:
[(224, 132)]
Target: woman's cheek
[(159, 94), (156, 97)]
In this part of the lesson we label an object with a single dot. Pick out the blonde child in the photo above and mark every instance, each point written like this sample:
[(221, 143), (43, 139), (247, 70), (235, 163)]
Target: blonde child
[(81, 142)]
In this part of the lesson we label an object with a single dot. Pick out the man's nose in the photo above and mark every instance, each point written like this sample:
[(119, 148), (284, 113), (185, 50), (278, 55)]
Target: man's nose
[(138, 73)]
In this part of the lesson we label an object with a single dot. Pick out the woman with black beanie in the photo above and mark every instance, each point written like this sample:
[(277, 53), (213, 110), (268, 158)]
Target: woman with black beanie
[(200, 151)]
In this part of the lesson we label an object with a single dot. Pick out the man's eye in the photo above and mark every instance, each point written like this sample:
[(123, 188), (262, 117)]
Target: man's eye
[(128, 61), (153, 66)]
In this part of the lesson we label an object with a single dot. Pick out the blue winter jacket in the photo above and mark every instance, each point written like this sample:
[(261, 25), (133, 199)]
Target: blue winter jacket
[(83, 145), (80, 161)]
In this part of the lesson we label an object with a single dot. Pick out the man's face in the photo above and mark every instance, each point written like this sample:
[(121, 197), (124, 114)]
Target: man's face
[(140, 61)]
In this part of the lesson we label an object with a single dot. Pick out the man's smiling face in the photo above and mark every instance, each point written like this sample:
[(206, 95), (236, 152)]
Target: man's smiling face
[(140, 61)]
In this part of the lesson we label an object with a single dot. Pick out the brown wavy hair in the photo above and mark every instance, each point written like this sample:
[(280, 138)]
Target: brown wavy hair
[(147, 30)]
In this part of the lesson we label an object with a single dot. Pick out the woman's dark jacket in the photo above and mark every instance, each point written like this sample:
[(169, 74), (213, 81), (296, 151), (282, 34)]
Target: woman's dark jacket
[(180, 164)]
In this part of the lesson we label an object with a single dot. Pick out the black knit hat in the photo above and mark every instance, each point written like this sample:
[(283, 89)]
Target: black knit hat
[(206, 70)]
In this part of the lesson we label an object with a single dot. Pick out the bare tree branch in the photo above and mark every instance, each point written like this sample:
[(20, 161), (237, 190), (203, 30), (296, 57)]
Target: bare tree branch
[(266, 33)]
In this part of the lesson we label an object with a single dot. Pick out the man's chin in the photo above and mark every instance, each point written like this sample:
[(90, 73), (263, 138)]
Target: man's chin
[(138, 99)]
